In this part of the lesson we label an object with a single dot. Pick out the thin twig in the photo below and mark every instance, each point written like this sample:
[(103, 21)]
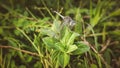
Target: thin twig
[(86, 17), (24, 51), (59, 14), (105, 46), (102, 59)]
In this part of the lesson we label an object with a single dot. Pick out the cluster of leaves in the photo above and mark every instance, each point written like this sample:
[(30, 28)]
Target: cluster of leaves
[(61, 41), (29, 39)]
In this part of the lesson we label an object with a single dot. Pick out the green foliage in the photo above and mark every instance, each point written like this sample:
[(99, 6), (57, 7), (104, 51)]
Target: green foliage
[(82, 47), (32, 36), (64, 45)]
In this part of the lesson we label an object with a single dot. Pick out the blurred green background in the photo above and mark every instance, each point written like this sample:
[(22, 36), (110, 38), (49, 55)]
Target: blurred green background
[(30, 35)]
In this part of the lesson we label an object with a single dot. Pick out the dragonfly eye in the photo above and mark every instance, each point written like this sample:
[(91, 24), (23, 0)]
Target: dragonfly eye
[(72, 23)]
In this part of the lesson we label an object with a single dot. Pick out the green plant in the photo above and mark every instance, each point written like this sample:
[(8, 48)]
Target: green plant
[(61, 44)]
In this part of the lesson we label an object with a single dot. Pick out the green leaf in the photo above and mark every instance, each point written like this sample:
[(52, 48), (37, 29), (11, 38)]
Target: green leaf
[(56, 26), (20, 22), (37, 65), (115, 13), (69, 37), (115, 32), (107, 56), (47, 31), (50, 42), (12, 41), (1, 31), (66, 36), (18, 33), (60, 46), (111, 23), (78, 26), (93, 66), (26, 13), (12, 64), (64, 59), (28, 58), (95, 20), (72, 38), (82, 48), (71, 48)]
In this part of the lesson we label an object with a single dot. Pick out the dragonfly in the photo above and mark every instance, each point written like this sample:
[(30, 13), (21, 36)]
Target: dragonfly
[(67, 20)]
